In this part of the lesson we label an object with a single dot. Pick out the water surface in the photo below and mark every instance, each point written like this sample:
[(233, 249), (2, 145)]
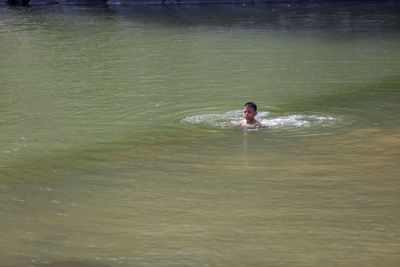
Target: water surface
[(118, 144)]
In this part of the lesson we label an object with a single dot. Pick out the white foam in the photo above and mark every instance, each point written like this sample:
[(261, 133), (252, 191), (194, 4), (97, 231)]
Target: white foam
[(233, 118), (230, 118), (292, 121)]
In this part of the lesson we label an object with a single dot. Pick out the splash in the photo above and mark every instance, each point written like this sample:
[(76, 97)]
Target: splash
[(233, 118), (293, 121)]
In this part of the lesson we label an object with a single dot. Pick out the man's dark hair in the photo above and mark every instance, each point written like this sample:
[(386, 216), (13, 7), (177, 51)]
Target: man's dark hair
[(251, 105)]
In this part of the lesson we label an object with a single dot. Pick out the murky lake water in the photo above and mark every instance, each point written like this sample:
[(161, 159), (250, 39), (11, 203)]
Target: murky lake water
[(118, 145)]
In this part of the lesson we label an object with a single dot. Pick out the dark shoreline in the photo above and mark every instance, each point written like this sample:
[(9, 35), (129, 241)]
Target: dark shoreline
[(322, 16), (184, 2)]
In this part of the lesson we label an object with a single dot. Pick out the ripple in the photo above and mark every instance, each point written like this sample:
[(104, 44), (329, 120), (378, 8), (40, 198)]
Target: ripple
[(295, 121), (228, 119), (233, 118)]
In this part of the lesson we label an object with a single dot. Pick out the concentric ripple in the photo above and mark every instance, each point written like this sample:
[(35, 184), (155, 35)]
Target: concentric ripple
[(233, 118)]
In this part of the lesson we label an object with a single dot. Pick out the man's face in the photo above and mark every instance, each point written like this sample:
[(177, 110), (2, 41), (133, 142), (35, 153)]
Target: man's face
[(249, 113)]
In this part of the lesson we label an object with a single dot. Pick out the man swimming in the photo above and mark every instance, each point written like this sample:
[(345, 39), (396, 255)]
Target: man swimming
[(249, 113)]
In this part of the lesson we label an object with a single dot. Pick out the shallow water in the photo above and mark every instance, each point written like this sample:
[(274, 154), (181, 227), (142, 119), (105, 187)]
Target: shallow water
[(119, 145)]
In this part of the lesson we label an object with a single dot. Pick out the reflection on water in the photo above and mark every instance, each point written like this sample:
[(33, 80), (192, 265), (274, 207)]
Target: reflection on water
[(118, 144)]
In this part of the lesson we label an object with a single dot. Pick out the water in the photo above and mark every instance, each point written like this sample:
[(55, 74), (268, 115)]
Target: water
[(119, 145)]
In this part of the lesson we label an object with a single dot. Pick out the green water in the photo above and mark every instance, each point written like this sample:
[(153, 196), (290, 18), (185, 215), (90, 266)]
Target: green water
[(118, 145)]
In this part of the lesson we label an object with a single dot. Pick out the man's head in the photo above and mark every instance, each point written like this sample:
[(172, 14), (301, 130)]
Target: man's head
[(251, 105), (249, 111)]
